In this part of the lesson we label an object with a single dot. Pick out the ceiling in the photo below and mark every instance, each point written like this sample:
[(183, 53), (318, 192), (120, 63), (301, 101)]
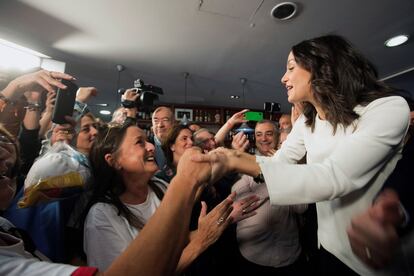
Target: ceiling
[(217, 42)]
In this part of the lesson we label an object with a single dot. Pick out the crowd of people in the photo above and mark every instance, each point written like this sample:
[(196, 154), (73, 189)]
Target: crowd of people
[(326, 192)]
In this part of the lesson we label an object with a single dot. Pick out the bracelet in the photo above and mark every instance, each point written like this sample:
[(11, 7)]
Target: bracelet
[(32, 106), (259, 179)]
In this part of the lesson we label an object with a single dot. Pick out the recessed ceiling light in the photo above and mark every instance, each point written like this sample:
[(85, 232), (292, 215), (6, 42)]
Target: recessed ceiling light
[(396, 40), (105, 112), (284, 10), (234, 97)]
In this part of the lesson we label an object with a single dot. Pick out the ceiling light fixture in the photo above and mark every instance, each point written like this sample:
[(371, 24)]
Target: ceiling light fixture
[(105, 112), (396, 40), (234, 97), (284, 10)]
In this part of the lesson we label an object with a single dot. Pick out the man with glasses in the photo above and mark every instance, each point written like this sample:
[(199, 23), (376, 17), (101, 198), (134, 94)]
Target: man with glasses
[(204, 139), (162, 122)]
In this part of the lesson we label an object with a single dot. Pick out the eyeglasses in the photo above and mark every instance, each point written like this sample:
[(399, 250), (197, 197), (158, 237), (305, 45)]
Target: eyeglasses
[(163, 120)]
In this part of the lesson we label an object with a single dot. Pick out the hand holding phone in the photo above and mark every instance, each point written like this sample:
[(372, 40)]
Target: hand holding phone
[(65, 101), (253, 116)]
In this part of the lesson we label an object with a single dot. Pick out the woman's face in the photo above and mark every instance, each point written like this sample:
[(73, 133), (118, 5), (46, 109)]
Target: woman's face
[(297, 82), (87, 134), (183, 142), (135, 155), (8, 159)]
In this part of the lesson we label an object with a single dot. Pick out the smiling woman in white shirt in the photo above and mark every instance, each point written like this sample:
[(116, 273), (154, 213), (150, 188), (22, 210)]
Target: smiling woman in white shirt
[(351, 130)]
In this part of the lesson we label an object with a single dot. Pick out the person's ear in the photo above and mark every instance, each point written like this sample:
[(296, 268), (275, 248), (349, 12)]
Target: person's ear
[(110, 160)]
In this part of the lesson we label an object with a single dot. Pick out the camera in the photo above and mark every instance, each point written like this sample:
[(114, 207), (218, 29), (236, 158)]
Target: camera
[(147, 95)]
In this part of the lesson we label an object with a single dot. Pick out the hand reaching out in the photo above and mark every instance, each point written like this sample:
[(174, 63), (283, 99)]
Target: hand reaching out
[(372, 234), (244, 208), (212, 225)]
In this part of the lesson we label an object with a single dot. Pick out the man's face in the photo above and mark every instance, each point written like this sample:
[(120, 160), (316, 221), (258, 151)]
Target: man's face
[(284, 122), (162, 123), (206, 141), (265, 137)]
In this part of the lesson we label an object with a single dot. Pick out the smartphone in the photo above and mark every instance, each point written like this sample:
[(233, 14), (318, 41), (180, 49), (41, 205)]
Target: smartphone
[(65, 101), (253, 116)]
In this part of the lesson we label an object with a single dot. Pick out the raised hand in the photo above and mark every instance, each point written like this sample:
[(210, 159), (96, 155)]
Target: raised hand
[(237, 118), (240, 141), (37, 81), (84, 94)]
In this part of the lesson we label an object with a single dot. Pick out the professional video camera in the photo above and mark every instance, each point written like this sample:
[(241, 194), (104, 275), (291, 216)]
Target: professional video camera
[(147, 94)]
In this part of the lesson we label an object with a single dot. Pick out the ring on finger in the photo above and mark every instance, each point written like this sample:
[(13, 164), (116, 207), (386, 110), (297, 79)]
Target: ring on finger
[(220, 220), (244, 211)]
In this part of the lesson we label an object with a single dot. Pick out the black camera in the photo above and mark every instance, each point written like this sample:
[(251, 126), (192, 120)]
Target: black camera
[(147, 95)]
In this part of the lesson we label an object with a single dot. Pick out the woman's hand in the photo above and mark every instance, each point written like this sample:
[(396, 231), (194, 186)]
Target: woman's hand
[(187, 168), (64, 132), (212, 225), (237, 118), (84, 94), (245, 208), (37, 81)]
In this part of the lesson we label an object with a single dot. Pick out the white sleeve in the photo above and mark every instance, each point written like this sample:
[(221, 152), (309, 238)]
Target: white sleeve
[(103, 241), (352, 164), (13, 264), (293, 149)]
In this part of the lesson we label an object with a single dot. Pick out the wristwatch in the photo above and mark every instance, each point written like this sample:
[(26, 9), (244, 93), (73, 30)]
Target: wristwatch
[(259, 179)]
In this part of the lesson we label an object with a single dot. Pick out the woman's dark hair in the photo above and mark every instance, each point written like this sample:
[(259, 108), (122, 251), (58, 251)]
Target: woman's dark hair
[(170, 140), (341, 78), (15, 171), (108, 184)]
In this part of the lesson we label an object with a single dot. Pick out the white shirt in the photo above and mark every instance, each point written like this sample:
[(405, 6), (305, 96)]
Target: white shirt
[(107, 235), (14, 260), (344, 171), (269, 238)]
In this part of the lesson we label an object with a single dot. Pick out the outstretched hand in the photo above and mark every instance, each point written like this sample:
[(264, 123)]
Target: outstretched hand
[(245, 208), (188, 168), (212, 225), (220, 161), (372, 234)]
